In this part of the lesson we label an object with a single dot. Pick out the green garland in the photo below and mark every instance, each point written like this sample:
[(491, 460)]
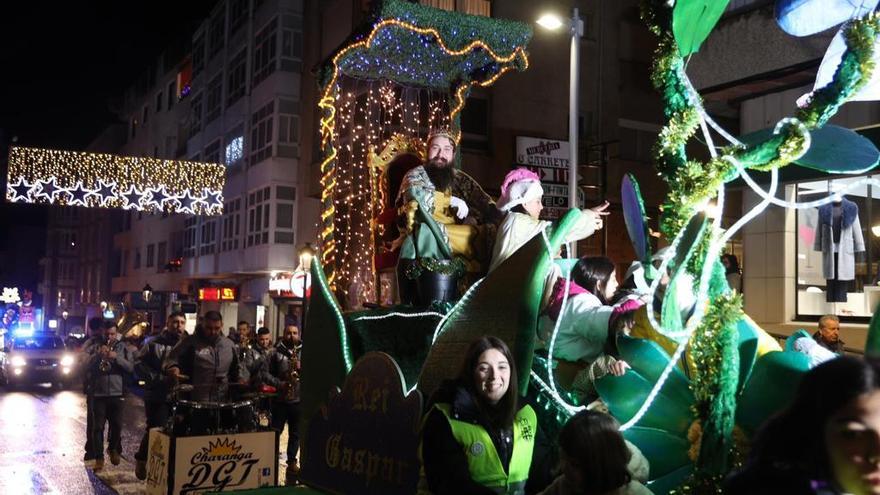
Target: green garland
[(691, 183), (456, 266)]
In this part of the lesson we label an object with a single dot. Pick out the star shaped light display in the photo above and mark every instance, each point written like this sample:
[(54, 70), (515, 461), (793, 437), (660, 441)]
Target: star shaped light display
[(133, 198), (19, 191), (188, 203), (47, 189), (213, 199), (159, 198), (105, 191), (79, 194)]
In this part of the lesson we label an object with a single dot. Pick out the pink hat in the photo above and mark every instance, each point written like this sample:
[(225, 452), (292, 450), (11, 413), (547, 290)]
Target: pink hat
[(520, 186)]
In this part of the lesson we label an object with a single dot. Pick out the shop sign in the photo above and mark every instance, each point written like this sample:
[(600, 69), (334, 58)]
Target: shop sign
[(549, 158), (218, 294), (290, 284), (224, 462), (10, 295), (366, 440)]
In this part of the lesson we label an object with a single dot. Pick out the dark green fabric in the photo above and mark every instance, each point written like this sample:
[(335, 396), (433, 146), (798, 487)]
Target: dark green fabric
[(407, 340)]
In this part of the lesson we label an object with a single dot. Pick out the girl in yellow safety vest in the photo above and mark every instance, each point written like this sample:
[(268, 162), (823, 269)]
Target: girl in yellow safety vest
[(476, 439)]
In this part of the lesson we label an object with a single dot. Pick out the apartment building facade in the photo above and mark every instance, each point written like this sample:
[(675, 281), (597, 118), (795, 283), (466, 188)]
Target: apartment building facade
[(234, 98)]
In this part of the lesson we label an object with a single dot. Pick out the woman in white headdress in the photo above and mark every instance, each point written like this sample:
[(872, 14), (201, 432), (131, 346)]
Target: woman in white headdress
[(520, 199)]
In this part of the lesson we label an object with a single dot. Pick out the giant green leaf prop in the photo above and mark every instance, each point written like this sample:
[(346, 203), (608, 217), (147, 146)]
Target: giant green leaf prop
[(833, 149), (693, 20)]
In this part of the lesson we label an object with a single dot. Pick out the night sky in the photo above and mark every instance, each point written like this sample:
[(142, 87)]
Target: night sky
[(63, 64)]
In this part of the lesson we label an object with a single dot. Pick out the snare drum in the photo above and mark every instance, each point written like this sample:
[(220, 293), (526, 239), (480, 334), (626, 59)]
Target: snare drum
[(193, 418)]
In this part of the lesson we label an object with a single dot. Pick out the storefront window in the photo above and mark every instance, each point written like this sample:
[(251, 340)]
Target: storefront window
[(836, 249)]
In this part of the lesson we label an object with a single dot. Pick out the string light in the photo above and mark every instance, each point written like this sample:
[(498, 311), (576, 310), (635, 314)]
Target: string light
[(354, 123), (72, 178)]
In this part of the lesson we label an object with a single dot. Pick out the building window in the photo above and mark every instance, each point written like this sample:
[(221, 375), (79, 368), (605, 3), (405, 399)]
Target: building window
[(198, 55), (146, 114), (238, 15), (214, 98), (291, 44), (234, 151), (285, 197), (151, 255), (158, 102), (172, 87), (161, 256), (217, 33), (236, 82), (261, 134), (231, 227), (836, 274), (265, 52), (137, 258), (475, 124), (288, 129), (258, 217), (208, 238), (196, 115), (212, 152), (189, 237)]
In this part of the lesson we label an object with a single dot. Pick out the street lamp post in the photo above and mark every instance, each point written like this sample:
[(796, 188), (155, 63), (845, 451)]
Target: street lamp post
[(306, 253), (64, 315), (576, 30)]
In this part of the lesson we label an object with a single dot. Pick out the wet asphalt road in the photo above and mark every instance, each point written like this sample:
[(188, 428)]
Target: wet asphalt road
[(42, 434)]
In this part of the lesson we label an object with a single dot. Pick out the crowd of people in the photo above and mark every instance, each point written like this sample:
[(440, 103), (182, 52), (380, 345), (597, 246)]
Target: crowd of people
[(203, 367)]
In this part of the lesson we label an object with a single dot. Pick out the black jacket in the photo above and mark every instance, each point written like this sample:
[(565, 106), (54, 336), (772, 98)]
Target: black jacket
[(446, 466), (279, 369), (148, 365), (771, 478)]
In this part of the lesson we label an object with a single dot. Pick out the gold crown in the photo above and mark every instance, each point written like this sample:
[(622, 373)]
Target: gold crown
[(442, 132), (222, 447)]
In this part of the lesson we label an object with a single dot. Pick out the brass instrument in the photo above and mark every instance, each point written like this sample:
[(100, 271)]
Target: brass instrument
[(292, 391), (105, 365)]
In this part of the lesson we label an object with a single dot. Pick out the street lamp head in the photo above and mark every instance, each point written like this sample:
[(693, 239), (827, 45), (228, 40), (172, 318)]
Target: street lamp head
[(65, 314), (147, 293), (306, 253), (550, 21)]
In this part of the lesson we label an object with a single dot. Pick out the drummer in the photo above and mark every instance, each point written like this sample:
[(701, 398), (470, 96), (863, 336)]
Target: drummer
[(208, 360)]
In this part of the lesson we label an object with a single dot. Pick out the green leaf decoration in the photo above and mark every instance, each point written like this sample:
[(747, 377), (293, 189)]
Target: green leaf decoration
[(626, 394), (649, 359), (665, 452), (872, 345), (833, 149), (693, 20), (670, 316), (771, 387), (748, 350), (665, 484)]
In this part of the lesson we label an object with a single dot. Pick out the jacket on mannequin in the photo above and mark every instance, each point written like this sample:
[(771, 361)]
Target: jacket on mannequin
[(850, 243)]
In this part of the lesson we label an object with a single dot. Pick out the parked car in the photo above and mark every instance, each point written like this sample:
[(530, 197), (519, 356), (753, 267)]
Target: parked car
[(39, 358)]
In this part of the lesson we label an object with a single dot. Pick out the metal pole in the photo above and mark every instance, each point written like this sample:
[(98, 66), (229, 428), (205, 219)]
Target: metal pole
[(302, 325), (576, 31)]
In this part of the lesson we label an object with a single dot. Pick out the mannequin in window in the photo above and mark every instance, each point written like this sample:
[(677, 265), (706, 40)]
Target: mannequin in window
[(839, 237)]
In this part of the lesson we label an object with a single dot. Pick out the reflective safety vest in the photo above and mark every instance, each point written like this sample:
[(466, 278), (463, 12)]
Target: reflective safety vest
[(484, 463)]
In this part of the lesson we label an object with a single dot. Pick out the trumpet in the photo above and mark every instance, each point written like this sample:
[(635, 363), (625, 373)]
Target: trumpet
[(105, 365)]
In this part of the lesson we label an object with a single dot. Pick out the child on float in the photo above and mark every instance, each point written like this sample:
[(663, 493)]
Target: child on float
[(596, 460), (520, 199), (588, 325)]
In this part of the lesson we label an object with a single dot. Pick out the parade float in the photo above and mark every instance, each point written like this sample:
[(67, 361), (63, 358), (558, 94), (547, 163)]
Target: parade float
[(365, 372)]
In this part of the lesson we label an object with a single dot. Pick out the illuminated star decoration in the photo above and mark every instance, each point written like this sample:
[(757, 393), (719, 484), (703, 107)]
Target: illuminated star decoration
[(214, 199), (158, 198), (188, 203), (47, 189), (105, 191), (79, 194), (133, 198), (20, 190)]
